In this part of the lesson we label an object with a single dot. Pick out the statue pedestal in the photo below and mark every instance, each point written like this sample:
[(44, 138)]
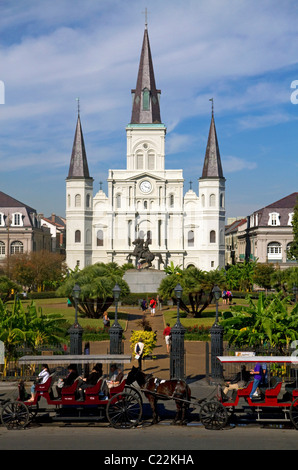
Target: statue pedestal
[(144, 281)]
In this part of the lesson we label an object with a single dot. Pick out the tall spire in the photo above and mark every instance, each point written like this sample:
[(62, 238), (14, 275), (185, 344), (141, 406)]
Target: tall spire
[(145, 109), (212, 165), (78, 167)]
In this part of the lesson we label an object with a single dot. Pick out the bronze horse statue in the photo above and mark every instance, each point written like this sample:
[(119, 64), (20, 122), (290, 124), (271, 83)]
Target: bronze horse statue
[(156, 389), (141, 252)]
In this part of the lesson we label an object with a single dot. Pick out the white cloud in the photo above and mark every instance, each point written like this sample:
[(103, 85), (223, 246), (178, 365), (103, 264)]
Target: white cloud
[(234, 164)]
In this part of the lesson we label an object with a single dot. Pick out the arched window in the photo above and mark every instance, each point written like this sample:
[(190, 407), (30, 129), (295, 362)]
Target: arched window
[(222, 200), (191, 238), (77, 200), (146, 99), (203, 200), (99, 238), (16, 247), (140, 160), (78, 236), (151, 160), (212, 236), (2, 249), (274, 252), (171, 200), (212, 200), (68, 200), (118, 201), (88, 199)]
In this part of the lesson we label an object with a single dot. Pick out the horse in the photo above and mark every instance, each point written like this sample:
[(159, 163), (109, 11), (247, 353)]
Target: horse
[(156, 389)]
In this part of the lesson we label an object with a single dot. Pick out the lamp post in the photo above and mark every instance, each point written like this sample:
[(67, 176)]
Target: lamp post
[(216, 333), (76, 331), (177, 346), (116, 330)]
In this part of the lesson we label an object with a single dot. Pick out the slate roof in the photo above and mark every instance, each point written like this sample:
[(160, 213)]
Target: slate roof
[(212, 164), (146, 79)]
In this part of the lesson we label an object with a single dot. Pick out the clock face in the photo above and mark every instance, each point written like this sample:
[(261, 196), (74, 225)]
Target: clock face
[(145, 186)]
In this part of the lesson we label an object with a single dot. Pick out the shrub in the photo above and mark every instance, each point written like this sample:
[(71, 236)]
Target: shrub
[(146, 337)]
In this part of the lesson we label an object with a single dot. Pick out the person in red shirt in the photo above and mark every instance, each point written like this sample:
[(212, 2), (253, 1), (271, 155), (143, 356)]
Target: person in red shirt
[(167, 335), (152, 306)]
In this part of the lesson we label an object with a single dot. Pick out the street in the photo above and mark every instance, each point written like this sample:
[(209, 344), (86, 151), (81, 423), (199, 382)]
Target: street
[(173, 440)]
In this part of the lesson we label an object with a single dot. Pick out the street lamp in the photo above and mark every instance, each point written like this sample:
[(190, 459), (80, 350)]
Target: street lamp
[(76, 292), (177, 345), (116, 330), (178, 292), (216, 292), (216, 334), (76, 331)]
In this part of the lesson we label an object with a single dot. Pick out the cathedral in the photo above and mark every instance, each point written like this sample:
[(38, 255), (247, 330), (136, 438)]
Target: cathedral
[(146, 201)]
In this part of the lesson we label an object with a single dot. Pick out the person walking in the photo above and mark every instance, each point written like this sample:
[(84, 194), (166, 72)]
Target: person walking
[(152, 304), (167, 336), (139, 349)]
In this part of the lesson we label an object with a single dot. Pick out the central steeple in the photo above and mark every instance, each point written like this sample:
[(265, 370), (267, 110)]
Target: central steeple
[(145, 108)]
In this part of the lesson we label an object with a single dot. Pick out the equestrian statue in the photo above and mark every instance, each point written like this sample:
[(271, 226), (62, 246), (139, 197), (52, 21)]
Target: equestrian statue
[(142, 253)]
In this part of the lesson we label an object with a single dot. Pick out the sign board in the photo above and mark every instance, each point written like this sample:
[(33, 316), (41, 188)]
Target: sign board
[(244, 353), (1, 352)]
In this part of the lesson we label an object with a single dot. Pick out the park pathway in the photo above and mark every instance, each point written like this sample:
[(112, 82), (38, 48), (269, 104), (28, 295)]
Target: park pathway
[(160, 366)]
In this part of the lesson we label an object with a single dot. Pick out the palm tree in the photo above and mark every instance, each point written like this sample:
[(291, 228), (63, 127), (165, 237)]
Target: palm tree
[(96, 283)]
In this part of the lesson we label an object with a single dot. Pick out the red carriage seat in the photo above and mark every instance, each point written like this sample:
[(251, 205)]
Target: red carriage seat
[(118, 388), (245, 392), (47, 385), (71, 389), (95, 389)]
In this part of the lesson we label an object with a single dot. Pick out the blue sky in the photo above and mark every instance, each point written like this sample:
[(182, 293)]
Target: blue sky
[(241, 53)]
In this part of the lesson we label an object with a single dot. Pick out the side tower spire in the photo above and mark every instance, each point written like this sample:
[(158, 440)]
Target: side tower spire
[(212, 164), (79, 197), (78, 167), (212, 202)]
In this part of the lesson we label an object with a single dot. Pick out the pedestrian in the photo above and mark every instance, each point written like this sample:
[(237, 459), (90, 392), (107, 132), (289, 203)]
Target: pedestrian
[(144, 305), (224, 296), (167, 336), (42, 378), (239, 381), (106, 320), (139, 349), (152, 305), (257, 373)]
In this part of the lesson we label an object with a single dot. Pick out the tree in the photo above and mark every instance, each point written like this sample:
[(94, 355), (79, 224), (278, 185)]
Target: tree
[(293, 250), (42, 269), (262, 275), (96, 283), (197, 288), (265, 322)]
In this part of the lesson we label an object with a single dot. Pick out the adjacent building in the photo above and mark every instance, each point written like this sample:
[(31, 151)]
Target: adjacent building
[(266, 234), (20, 229)]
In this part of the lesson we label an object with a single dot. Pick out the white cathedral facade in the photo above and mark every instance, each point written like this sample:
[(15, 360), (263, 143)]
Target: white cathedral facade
[(146, 200)]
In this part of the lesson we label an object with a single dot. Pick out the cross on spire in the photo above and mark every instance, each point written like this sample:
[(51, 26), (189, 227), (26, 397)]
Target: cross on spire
[(146, 17), (212, 107), (78, 100)]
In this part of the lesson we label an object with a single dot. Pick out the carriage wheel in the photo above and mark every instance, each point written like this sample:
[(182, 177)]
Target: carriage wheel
[(15, 415), (213, 415), (294, 413), (133, 391), (124, 410)]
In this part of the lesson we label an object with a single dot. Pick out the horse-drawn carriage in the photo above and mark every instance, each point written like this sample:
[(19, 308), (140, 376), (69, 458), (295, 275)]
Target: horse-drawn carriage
[(276, 400), (122, 406)]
